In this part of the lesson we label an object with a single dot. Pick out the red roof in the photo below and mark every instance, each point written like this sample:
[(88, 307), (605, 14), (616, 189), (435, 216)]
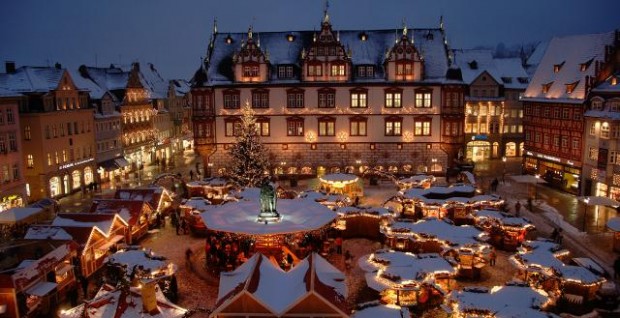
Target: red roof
[(148, 195), (113, 206)]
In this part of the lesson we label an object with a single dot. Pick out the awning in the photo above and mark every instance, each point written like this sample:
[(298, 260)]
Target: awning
[(111, 242), (41, 289), (121, 162), (108, 165)]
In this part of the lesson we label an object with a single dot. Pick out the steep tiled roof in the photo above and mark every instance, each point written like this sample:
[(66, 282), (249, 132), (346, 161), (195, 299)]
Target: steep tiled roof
[(567, 62), (429, 42), (29, 79)]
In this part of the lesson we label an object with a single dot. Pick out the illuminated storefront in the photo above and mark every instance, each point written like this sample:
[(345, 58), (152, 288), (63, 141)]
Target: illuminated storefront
[(559, 173)]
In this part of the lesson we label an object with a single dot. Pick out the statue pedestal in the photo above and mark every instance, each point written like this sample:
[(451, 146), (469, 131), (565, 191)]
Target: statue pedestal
[(269, 217)]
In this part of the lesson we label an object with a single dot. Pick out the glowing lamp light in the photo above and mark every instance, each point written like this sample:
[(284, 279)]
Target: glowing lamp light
[(343, 136), (310, 136)]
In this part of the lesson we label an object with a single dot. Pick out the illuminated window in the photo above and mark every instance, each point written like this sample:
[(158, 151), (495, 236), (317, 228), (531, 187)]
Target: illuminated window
[(49, 159), (327, 126), (605, 130), (423, 99), (315, 70), (393, 126), (233, 128), (30, 161), (262, 126), (422, 127), (393, 99), (357, 126), (404, 68), (337, 70), (359, 98), (294, 126)]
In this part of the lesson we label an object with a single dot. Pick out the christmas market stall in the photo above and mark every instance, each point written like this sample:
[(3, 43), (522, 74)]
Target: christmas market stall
[(465, 244), (375, 309), (362, 221), (145, 300), (406, 279), (540, 263), (276, 228), (138, 264), (214, 189), (312, 288), (15, 221), (505, 231), (332, 201), (35, 275), (137, 214), (511, 300), (342, 183), (190, 211), (157, 197), (417, 181), (613, 224)]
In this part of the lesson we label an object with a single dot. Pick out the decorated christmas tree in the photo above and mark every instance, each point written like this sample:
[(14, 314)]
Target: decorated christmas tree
[(248, 156)]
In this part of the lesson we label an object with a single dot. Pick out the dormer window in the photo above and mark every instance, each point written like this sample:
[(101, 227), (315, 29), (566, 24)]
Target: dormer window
[(507, 80), (363, 36), (250, 71), (337, 70), (285, 71), (473, 65), (546, 87), (229, 39), (613, 81), (597, 104), (522, 80), (366, 71), (570, 87), (557, 67), (584, 66), (290, 37)]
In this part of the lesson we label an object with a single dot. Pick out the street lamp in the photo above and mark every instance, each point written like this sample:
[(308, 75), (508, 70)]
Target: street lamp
[(586, 201), (504, 174), (536, 187)]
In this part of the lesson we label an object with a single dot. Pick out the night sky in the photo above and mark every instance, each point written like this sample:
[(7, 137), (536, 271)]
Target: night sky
[(173, 34)]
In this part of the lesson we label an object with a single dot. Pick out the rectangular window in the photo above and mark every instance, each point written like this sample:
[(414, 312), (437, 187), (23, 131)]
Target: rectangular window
[(9, 116), (3, 148), (233, 128), (593, 129), (315, 70), (357, 127), (359, 100), (231, 100), (30, 162), (423, 99), (605, 130), (295, 99), (404, 69), (564, 142), (565, 113), (422, 128), (338, 70), (262, 127), (12, 141), (16, 175), (327, 98), (327, 127), (615, 131), (260, 99), (593, 153), (285, 71), (295, 127), (393, 100), (556, 140), (393, 127), (250, 71), (575, 143)]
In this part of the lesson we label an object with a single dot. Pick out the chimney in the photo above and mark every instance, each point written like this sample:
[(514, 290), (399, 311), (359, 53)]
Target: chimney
[(58, 66), (9, 67)]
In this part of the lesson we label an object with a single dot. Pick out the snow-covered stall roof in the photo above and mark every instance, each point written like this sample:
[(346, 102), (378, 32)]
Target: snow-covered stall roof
[(117, 303), (16, 215), (429, 43), (383, 311), (339, 179), (387, 269), (567, 62), (439, 229), (361, 210), (502, 301), (198, 204), (103, 222), (436, 192), (502, 218), (538, 254), (130, 211), (298, 215), (47, 233), (151, 195), (131, 259), (278, 290)]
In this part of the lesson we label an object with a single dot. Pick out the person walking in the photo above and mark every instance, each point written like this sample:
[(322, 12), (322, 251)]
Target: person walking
[(188, 257), (191, 175), (492, 257), (518, 208), (339, 245)]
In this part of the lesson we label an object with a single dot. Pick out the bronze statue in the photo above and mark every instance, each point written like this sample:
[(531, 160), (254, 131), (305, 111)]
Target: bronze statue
[(268, 199)]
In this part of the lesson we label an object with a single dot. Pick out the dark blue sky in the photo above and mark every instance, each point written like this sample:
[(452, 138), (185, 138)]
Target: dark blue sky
[(173, 34)]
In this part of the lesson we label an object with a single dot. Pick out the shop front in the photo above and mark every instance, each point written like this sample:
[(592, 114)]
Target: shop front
[(71, 177), (559, 173)]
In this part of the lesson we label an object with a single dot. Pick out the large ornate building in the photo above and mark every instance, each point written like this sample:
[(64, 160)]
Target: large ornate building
[(554, 106), (493, 111), (12, 183), (331, 100), (58, 140)]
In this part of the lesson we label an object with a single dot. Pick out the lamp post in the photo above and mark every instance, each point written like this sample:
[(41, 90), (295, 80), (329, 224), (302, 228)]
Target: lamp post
[(504, 173), (536, 187), (586, 201)]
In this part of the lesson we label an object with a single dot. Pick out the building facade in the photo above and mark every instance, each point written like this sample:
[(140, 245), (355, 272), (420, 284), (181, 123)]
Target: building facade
[(179, 98), (493, 111), (601, 163), (58, 140), (332, 100), (13, 192), (554, 106)]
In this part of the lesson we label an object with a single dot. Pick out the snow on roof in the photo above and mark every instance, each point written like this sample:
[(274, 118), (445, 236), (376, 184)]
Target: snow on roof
[(579, 274), (440, 229), (504, 219), (402, 268), (298, 215), (30, 79), (503, 301), (379, 211), (153, 82), (180, 86), (133, 258), (567, 62), (279, 290), (339, 177), (200, 204), (609, 85), (383, 311), (538, 254), (116, 303), (47, 233), (474, 62), (429, 43), (102, 221), (8, 93), (14, 215), (463, 190), (512, 73), (534, 59)]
